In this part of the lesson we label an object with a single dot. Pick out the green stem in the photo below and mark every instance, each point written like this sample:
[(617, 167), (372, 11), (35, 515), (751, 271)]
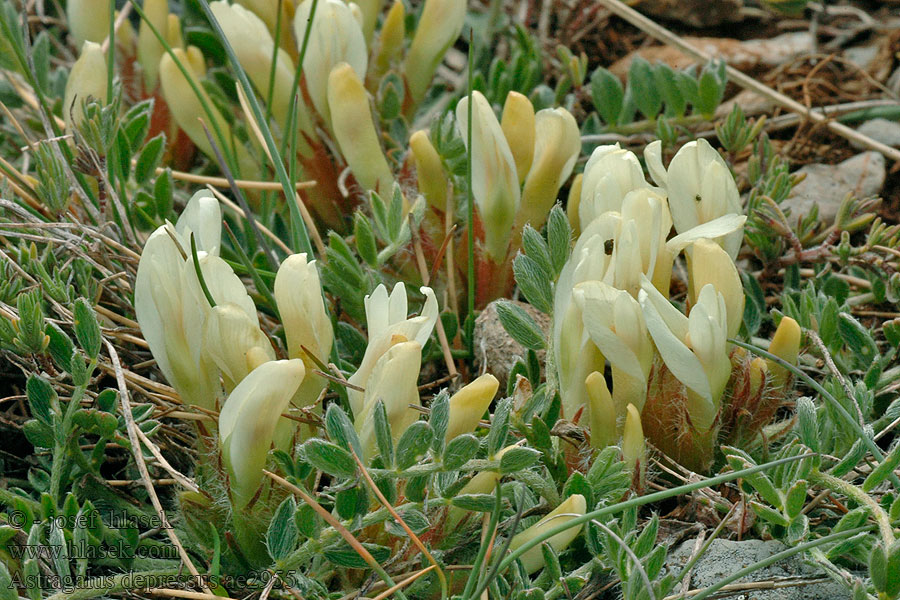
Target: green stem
[(849, 420), (299, 235), (860, 497), (641, 501)]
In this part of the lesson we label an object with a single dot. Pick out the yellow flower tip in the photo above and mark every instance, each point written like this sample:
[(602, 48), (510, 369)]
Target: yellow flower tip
[(518, 124), (86, 80), (557, 144), (786, 341), (88, 20), (572, 507), (573, 202), (633, 439), (438, 27), (602, 411), (785, 345), (468, 405), (172, 31), (354, 129), (149, 50), (429, 170), (393, 31), (710, 263), (758, 371)]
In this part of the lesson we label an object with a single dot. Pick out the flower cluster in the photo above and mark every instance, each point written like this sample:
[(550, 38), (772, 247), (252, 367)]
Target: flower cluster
[(329, 107), (669, 369), (204, 331)]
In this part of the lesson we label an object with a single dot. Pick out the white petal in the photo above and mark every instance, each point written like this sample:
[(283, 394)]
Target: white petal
[(712, 230), (203, 217), (653, 158), (680, 360)]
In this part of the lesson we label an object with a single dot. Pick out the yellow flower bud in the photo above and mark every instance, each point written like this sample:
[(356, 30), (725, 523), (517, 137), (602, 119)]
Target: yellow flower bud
[(355, 130), (235, 343), (149, 49), (370, 10), (86, 80), (386, 318), (429, 170), (518, 124), (254, 48), (602, 411), (709, 263), (390, 42), (572, 507), (495, 184), (393, 382), (335, 38), (785, 345), (187, 110), (758, 371), (438, 28), (468, 405), (172, 32), (88, 20), (248, 421), (573, 202), (557, 145), (633, 448)]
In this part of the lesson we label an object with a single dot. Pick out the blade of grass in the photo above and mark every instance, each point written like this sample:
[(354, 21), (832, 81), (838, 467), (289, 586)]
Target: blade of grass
[(838, 407), (412, 536), (474, 574), (261, 286), (291, 124), (331, 520), (248, 214), (639, 501), (187, 75), (199, 272), (299, 235), (470, 201), (111, 56), (775, 558)]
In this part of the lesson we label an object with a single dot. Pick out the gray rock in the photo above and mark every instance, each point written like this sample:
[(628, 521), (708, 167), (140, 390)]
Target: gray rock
[(495, 351), (724, 557), (881, 130), (862, 56), (827, 185)]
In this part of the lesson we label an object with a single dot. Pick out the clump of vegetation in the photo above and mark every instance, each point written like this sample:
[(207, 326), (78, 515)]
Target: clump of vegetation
[(243, 250)]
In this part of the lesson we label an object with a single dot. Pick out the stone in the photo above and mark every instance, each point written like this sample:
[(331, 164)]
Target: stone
[(695, 13), (724, 557), (827, 185), (881, 130), (495, 351), (748, 55)]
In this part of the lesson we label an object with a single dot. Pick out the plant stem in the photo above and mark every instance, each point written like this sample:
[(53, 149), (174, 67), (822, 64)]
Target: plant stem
[(860, 497)]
